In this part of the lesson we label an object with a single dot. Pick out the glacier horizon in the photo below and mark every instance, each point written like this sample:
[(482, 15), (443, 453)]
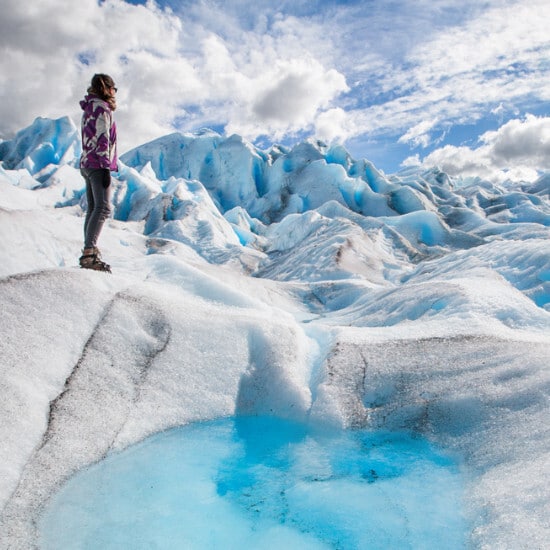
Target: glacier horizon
[(296, 282)]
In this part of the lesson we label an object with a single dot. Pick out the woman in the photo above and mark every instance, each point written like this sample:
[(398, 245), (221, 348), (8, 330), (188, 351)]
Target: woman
[(99, 157)]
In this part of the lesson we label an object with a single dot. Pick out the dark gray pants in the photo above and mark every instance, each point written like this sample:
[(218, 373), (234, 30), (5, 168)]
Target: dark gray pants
[(98, 195)]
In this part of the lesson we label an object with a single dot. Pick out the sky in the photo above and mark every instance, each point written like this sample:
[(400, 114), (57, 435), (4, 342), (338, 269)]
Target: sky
[(459, 84)]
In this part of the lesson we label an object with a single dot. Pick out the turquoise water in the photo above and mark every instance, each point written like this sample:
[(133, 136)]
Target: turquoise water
[(262, 483)]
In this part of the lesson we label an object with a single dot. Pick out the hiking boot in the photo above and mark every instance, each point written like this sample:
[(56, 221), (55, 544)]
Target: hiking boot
[(92, 261), (92, 250)]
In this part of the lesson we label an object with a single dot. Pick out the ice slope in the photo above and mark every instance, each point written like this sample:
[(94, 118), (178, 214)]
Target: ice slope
[(293, 282)]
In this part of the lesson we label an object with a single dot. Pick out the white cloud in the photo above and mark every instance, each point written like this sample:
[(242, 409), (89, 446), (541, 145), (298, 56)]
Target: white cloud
[(292, 95), (521, 141), (493, 57), (168, 70), (44, 55), (334, 125), (412, 161), (419, 135), (516, 151), (459, 74)]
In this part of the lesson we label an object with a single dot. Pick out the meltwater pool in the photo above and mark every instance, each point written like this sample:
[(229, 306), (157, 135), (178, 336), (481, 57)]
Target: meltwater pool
[(262, 483)]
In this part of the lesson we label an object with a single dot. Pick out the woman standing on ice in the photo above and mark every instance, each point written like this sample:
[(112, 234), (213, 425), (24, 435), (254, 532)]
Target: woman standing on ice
[(99, 157)]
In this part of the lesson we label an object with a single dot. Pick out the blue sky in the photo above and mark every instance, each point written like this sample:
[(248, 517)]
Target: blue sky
[(464, 85)]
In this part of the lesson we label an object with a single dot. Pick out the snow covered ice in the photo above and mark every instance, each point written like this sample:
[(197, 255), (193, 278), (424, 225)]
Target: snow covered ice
[(296, 284)]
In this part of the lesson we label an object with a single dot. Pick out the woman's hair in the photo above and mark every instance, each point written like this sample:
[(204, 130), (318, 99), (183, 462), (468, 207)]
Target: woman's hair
[(100, 86)]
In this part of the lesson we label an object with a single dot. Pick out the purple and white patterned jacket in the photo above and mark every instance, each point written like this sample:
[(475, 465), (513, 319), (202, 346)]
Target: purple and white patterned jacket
[(98, 134)]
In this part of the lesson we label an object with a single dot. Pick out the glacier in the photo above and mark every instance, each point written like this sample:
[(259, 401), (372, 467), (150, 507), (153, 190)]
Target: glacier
[(294, 283)]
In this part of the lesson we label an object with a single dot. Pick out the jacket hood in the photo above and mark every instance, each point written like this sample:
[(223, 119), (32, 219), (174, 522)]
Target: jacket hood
[(90, 99)]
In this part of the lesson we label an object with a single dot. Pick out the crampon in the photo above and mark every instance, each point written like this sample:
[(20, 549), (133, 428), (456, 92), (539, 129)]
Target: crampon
[(93, 261)]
